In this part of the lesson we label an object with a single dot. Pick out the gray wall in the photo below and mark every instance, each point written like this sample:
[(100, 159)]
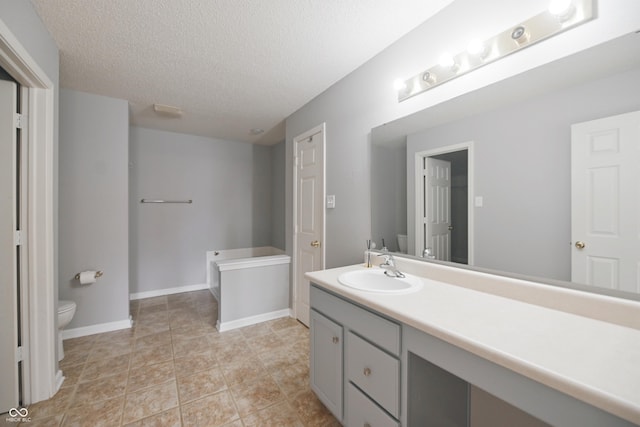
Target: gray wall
[(230, 185), (366, 99), (277, 195), (388, 193), (94, 137), (522, 170)]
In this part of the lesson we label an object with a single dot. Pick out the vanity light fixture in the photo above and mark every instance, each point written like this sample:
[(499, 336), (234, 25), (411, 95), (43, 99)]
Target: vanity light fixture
[(560, 16)]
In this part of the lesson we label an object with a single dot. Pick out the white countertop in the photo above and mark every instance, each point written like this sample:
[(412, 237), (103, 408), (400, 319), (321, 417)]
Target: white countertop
[(593, 360)]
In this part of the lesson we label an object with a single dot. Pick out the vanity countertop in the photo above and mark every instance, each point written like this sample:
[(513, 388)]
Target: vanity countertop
[(591, 359)]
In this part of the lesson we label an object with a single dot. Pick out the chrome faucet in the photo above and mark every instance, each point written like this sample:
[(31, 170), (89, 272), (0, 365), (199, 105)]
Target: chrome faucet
[(389, 265)]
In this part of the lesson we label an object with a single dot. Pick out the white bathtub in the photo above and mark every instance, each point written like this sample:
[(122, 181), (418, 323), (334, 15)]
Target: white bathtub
[(250, 284)]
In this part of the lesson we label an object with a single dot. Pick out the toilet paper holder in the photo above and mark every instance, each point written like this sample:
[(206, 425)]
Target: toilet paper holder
[(98, 274)]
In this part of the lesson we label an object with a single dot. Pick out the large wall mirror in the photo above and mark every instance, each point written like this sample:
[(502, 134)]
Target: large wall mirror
[(507, 150)]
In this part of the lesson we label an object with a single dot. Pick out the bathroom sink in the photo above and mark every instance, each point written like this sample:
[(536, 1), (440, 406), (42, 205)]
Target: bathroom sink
[(374, 280)]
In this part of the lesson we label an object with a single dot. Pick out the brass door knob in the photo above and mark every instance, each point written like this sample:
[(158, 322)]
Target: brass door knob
[(580, 245), (315, 244), (367, 372)]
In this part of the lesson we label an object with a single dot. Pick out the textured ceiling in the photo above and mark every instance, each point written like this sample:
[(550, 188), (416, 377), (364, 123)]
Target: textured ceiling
[(230, 65)]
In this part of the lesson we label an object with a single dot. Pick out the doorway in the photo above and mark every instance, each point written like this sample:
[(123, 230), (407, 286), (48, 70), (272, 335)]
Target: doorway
[(308, 214), (443, 209), (37, 310)]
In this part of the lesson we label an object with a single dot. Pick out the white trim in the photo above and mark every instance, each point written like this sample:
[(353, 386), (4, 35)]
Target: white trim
[(248, 321), (96, 329), (322, 197), (468, 146), (40, 363), (261, 261), (59, 379), (168, 291)]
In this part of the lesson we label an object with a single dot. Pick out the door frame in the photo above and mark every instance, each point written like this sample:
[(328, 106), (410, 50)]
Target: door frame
[(321, 198), (41, 377), (417, 177)]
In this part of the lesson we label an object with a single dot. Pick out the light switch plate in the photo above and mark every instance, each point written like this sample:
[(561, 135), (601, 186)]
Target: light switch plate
[(331, 201)]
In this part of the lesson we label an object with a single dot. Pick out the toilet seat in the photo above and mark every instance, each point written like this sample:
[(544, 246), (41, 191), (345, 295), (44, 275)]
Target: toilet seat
[(66, 306)]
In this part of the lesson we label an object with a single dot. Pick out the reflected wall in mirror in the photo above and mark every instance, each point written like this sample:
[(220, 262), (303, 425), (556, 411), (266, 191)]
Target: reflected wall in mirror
[(520, 187)]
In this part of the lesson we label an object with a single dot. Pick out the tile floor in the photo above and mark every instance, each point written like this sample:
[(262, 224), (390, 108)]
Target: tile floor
[(173, 368)]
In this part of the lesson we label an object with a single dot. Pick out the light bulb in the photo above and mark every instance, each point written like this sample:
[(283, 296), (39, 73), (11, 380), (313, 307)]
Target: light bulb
[(447, 61), (477, 48), (562, 9), (399, 85)]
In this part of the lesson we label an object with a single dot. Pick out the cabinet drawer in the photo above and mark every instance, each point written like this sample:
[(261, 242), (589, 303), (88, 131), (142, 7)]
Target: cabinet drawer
[(383, 332), (362, 412), (374, 372)]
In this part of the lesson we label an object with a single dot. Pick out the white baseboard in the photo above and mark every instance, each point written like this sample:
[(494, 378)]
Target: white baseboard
[(96, 329), (59, 380), (248, 321), (168, 291)]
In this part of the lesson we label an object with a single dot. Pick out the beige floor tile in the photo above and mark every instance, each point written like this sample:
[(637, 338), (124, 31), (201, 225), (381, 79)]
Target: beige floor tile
[(101, 389), (150, 318), (199, 329), (51, 407), (191, 364), (150, 401), (232, 350), (153, 340), (201, 384), (106, 413), (100, 368), (147, 309), (283, 323), (152, 375), (105, 350), (279, 415), (265, 343), (147, 328), (146, 302), (170, 418), (211, 411), (243, 371), (293, 380), (294, 333), (189, 346), (123, 336), (72, 375), (311, 411), (74, 358), (256, 395), (82, 344), (255, 330), (281, 359), (53, 421), (151, 355)]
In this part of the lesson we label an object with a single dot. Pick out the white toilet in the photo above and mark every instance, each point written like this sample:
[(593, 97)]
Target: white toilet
[(66, 310)]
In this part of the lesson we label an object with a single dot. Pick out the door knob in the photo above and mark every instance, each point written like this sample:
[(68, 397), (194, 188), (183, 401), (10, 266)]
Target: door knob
[(315, 244), (580, 245), (450, 227), (335, 340)]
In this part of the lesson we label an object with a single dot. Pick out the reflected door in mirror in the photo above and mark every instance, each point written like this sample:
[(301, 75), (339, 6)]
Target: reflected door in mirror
[(605, 180)]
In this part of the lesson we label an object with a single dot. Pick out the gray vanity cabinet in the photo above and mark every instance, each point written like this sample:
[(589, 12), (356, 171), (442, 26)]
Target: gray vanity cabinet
[(326, 362), (355, 361)]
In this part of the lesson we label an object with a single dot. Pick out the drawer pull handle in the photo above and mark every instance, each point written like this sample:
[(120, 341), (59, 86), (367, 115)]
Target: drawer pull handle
[(367, 372), (335, 340)]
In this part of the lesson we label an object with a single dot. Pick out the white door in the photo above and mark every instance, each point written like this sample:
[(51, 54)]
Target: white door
[(436, 209), (605, 202), (309, 214), (8, 259)]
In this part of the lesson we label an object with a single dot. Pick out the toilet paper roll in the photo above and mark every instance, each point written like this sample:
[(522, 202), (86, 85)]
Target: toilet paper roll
[(87, 277)]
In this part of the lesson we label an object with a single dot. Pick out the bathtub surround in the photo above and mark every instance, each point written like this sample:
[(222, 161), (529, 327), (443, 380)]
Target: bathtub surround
[(251, 285), (230, 184), (94, 138)]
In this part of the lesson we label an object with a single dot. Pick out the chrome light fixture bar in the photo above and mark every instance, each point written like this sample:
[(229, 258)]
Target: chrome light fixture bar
[(560, 16)]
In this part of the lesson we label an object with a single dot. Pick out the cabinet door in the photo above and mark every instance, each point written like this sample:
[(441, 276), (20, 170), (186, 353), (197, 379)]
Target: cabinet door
[(326, 362)]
